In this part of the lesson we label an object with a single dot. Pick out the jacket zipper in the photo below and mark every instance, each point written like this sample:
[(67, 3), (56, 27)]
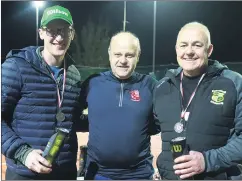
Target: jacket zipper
[(121, 95)]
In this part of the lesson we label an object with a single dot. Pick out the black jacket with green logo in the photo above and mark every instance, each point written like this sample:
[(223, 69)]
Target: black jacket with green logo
[(214, 126)]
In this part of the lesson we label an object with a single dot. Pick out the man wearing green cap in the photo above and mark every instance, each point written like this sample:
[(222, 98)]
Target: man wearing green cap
[(40, 96)]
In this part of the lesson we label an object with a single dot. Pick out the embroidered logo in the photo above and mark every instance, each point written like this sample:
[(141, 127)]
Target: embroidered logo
[(218, 97), (135, 95)]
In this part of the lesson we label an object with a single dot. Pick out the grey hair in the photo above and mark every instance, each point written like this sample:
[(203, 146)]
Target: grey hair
[(201, 27), (136, 40)]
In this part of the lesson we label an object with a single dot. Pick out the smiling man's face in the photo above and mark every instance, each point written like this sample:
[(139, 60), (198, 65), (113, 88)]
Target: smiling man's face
[(57, 36), (193, 50), (123, 56)]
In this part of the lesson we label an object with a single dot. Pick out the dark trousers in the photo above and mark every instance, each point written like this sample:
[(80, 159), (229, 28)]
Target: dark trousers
[(10, 175), (13, 176)]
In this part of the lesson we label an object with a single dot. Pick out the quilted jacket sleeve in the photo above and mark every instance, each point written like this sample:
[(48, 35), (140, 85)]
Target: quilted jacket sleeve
[(231, 153), (11, 93)]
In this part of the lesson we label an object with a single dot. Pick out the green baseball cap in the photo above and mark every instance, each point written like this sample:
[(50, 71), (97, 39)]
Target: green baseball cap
[(56, 12)]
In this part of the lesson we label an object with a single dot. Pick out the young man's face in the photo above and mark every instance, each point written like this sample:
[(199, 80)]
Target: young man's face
[(123, 57), (192, 50), (57, 36)]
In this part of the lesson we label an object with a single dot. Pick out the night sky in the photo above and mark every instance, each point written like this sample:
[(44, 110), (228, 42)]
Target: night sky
[(224, 20)]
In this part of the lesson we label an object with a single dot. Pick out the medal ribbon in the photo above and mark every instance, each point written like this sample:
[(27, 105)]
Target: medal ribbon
[(191, 97), (60, 98)]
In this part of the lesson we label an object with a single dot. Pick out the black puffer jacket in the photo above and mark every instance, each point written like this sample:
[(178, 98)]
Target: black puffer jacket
[(214, 126)]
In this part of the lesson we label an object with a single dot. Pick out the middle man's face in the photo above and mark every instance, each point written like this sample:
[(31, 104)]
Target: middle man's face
[(123, 57)]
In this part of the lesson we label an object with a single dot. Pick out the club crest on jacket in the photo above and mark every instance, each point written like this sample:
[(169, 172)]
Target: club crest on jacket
[(134, 94), (218, 97)]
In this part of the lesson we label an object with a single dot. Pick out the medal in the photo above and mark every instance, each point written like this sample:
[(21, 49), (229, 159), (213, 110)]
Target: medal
[(60, 116), (178, 127)]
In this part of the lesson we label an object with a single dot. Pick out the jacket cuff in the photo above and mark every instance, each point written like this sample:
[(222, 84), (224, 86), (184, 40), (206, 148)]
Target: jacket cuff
[(205, 161), (22, 153)]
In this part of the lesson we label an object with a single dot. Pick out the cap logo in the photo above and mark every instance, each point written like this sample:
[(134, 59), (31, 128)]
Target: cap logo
[(52, 11)]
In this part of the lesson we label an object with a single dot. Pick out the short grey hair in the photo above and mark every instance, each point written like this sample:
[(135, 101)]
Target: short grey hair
[(201, 26), (127, 33)]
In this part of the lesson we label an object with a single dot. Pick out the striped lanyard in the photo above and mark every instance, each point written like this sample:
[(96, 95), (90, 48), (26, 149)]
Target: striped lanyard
[(60, 97), (191, 97)]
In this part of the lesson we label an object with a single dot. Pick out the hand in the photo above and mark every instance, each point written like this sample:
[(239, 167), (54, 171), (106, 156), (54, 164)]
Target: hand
[(189, 165), (156, 175), (35, 162)]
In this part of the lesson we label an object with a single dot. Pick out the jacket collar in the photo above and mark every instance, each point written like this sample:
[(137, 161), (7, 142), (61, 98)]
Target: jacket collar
[(135, 77), (30, 54), (214, 68)]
